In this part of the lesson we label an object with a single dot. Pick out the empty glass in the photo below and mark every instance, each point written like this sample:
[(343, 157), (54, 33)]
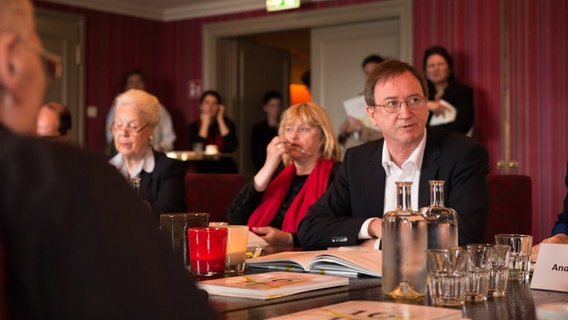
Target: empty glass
[(447, 276), (499, 259), (519, 264), (478, 270)]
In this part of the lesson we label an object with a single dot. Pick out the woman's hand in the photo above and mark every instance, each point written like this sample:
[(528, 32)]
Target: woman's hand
[(436, 107), (275, 237), (274, 151), (220, 112)]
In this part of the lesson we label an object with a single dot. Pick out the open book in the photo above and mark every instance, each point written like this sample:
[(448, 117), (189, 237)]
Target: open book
[(333, 262), (355, 310), (270, 285)]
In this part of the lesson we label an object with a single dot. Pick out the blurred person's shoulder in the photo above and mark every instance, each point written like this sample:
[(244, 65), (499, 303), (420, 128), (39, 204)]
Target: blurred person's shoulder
[(25, 157)]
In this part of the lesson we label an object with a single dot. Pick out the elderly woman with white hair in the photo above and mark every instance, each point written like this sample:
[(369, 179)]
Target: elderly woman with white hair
[(161, 178)]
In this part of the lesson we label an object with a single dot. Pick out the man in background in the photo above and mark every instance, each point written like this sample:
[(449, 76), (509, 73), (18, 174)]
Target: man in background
[(350, 211), (54, 122), (75, 241), (352, 131)]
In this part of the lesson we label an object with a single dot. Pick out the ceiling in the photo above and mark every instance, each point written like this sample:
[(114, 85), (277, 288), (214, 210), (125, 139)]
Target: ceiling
[(169, 10)]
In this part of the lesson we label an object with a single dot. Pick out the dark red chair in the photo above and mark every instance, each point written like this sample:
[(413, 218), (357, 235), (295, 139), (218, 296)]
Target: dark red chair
[(212, 192), (510, 205)]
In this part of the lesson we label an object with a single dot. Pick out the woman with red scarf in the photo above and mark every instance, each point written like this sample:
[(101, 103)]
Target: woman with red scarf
[(300, 164)]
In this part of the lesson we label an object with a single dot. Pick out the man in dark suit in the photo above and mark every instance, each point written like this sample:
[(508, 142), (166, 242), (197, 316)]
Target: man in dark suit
[(350, 211), (75, 241)]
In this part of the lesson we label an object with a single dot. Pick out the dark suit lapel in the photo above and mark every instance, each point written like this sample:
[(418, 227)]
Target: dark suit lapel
[(430, 167), (146, 178), (379, 173)]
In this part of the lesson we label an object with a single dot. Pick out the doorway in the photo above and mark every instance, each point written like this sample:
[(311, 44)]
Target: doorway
[(63, 34), (397, 13)]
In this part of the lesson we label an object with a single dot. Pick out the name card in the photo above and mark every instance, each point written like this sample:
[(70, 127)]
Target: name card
[(551, 268)]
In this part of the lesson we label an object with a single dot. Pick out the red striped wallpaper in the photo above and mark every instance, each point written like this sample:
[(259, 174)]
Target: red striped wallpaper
[(481, 35)]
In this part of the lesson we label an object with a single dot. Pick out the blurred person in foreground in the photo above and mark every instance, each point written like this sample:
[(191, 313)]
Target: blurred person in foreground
[(559, 232), (264, 131), (54, 122), (162, 180), (75, 242), (300, 164), (350, 211)]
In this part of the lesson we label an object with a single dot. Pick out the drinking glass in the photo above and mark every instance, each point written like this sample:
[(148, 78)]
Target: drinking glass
[(519, 265), (499, 259), (236, 249), (207, 250), (478, 269), (174, 226), (447, 276)]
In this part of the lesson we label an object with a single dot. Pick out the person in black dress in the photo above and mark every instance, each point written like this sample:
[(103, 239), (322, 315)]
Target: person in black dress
[(264, 131)]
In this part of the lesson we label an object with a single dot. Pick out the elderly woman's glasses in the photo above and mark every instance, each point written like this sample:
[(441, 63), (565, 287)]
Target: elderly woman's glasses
[(394, 105), (131, 129)]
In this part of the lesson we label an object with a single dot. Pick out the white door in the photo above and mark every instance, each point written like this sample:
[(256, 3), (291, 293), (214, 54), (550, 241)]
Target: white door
[(245, 72), (336, 56), (62, 34)]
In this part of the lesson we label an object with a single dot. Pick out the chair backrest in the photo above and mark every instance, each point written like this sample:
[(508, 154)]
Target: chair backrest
[(212, 192), (510, 205)]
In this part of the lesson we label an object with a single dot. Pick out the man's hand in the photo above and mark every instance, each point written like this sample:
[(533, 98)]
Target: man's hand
[(559, 238)]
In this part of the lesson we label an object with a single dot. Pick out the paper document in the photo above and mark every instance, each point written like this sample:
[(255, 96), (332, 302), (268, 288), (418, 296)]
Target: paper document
[(356, 107), (254, 240), (449, 115)]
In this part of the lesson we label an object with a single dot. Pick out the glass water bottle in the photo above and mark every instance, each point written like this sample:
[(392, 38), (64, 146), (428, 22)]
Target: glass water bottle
[(442, 221), (404, 249)]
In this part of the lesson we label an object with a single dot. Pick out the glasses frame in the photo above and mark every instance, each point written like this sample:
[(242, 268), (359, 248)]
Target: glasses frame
[(131, 131), (390, 109)]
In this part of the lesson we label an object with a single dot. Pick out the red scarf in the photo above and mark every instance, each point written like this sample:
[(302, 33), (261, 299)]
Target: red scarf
[(272, 199)]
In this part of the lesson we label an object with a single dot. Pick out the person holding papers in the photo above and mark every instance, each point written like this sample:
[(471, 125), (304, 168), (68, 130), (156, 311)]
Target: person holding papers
[(560, 231), (300, 163), (450, 102), (353, 131), (351, 209)]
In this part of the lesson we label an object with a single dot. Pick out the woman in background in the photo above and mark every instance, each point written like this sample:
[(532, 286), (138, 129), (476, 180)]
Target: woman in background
[(300, 164), (213, 127), (162, 180), (450, 102)]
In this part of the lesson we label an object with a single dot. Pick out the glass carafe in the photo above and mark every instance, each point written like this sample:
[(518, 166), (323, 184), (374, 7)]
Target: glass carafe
[(442, 221), (404, 249)]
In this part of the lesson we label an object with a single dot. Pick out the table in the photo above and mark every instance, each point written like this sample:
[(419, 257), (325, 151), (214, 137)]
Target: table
[(201, 162), (519, 303)]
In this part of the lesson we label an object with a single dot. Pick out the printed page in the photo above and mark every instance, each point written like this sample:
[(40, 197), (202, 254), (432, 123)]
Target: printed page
[(359, 310), (270, 285)]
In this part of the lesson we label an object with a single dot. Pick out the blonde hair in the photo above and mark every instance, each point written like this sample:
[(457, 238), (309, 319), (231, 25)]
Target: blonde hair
[(312, 114), (147, 104)]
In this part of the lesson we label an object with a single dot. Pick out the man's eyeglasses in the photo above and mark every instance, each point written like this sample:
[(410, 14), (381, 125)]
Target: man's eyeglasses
[(51, 62), (394, 105), (130, 129)]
